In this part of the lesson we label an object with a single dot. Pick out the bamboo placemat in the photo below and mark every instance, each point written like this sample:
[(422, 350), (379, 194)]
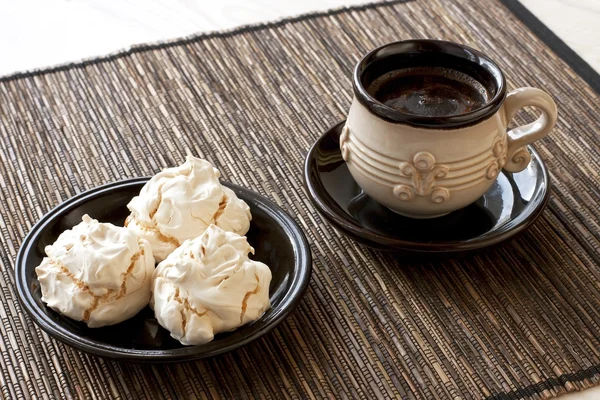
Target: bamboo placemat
[(519, 320)]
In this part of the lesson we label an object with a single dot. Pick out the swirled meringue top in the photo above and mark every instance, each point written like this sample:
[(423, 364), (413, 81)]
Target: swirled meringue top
[(180, 203), (209, 285)]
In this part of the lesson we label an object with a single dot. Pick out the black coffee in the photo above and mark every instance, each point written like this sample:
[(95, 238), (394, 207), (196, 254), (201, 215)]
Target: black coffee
[(429, 91)]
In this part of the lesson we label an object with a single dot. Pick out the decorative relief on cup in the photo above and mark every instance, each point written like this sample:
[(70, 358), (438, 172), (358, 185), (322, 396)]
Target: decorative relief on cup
[(499, 151), (499, 147), (424, 173), (439, 195), (344, 142), (501, 162), (520, 158), (492, 170), (403, 192)]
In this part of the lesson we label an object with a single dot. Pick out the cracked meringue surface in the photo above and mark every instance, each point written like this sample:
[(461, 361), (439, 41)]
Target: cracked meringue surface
[(209, 285), (97, 273), (180, 203)]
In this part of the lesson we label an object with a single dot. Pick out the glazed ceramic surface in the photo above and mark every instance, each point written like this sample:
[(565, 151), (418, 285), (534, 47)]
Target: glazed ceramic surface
[(510, 205), (276, 238), (427, 167)]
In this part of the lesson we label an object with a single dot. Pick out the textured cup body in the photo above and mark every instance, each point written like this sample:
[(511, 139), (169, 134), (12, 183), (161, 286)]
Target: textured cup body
[(423, 172)]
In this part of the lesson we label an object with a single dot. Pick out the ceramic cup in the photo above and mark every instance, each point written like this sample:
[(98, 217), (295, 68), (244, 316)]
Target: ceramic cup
[(428, 166)]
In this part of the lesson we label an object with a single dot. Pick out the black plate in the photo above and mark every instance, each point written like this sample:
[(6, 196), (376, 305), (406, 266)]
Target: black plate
[(508, 207), (276, 238)]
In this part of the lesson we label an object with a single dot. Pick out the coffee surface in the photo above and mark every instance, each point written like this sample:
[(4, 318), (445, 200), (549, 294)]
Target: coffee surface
[(429, 91)]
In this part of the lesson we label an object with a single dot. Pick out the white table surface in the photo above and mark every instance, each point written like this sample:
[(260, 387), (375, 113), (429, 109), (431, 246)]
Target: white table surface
[(40, 33)]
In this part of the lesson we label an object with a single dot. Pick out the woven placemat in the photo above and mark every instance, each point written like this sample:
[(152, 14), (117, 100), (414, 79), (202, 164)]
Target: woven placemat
[(522, 319)]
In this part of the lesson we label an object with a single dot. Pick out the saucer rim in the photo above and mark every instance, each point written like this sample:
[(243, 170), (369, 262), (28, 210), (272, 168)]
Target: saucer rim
[(378, 241), (298, 286)]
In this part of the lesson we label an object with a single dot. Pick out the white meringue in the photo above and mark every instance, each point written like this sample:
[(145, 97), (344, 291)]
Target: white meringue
[(180, 203), (97, 273), (209, 285)]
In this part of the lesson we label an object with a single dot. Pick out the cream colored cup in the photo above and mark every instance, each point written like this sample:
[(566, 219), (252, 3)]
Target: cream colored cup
[(425, 167)]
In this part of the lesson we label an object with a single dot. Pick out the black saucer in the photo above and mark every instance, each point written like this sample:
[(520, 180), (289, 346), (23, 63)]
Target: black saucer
[(278, 242), (507, 208)]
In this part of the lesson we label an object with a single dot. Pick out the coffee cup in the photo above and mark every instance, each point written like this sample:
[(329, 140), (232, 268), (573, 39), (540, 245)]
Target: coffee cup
[(427, 131)]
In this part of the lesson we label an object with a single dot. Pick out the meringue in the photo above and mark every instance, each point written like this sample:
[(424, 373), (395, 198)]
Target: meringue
[(209, 285), (180, 203), (97, 273)]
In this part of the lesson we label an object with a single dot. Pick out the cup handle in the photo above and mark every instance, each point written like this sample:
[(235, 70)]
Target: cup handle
[(517, 155)]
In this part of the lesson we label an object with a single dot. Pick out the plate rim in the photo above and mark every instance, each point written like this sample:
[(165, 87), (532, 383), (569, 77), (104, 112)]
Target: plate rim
[(383, 242), (298, 285)]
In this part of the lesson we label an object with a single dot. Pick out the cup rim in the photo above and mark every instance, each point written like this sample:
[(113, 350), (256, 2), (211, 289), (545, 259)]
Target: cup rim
[(395, 116)]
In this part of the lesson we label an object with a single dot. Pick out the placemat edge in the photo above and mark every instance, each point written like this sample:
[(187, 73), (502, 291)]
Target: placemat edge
[(161, 44)]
